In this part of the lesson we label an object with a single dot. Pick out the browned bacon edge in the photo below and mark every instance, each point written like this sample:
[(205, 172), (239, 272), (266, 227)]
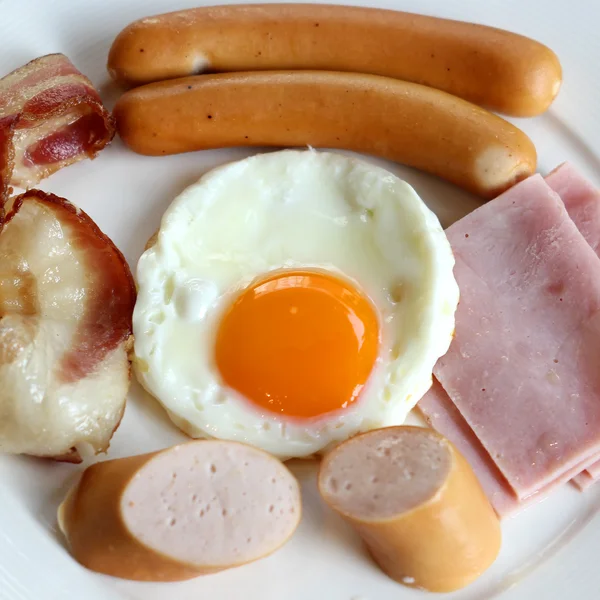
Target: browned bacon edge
[(7, 125), (107, 321), (19, 109)]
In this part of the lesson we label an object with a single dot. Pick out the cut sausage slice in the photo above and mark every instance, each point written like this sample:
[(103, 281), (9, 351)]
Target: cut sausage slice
[(404, 122), (416, 503), (178, 513)]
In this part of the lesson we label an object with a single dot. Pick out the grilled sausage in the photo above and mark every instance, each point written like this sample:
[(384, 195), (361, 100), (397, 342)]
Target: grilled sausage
[(497, 69), (405, 122)]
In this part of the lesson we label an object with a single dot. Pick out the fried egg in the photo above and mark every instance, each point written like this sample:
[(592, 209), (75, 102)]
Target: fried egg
[(293, 299)]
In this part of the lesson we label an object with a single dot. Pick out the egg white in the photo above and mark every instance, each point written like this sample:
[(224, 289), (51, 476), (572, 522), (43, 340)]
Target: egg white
[(292, 209)]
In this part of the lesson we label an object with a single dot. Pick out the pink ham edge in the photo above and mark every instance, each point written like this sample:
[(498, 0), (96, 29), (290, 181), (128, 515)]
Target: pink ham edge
[(589, 476), (583, 481), (527, 466), (582, 201), (443, 416)]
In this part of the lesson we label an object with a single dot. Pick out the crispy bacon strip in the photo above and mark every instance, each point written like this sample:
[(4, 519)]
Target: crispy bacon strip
[(50, 117)]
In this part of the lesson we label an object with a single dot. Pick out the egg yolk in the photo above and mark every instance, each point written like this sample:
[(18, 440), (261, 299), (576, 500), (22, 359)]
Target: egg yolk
[(298, 343)]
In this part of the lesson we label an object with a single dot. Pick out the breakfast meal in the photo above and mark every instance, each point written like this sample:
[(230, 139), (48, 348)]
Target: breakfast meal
[(497, 69), (182, 512), (404, 122), (66, 298), (50, 117), (416, 503), (301, 303), (332, 253)]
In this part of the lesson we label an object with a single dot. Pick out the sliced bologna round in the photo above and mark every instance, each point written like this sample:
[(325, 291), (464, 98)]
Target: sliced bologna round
[(190, 510), (417, 505)]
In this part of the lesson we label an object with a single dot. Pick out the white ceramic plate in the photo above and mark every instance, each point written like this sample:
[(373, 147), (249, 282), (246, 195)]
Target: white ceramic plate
[(549, 552)]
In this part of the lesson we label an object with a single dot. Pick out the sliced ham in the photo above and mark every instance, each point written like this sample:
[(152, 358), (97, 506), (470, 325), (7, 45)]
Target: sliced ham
[(50, 117), (522, 368), (583, 480), (582, 201), (588, 477), (441, 414)]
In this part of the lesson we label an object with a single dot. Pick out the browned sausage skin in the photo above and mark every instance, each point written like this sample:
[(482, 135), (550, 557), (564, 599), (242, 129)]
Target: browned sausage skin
[(503, 71), (404, 122)]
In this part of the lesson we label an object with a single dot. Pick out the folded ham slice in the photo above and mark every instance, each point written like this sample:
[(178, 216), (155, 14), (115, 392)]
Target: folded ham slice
[(441, 414), (66, 304), (50, 117), (522, 368), (582, 201)]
